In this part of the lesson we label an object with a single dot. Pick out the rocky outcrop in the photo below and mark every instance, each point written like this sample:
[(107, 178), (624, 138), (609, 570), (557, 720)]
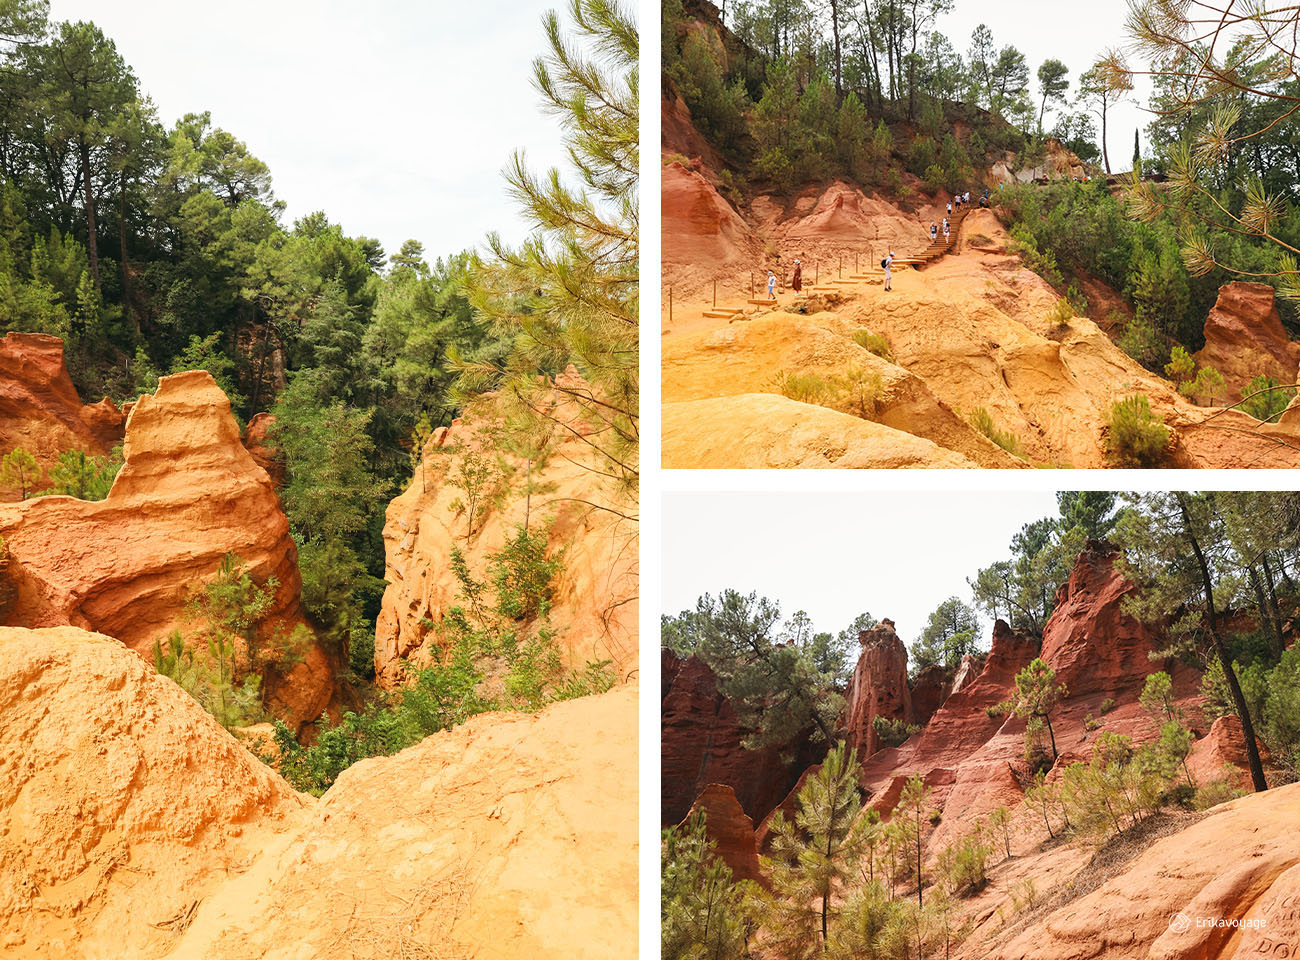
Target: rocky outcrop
[(135, 826), (703, 234), (1244, 338), (701, 745), (120, 795), (39, 407), (878, 687), (594, 599), (730, 829), (126, 566), (1234, 876), (260, 449), (1221, 755), (1091, 643), (930, 688)]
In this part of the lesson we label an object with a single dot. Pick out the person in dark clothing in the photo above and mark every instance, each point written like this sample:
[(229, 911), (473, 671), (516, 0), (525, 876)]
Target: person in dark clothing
[(797, 283)]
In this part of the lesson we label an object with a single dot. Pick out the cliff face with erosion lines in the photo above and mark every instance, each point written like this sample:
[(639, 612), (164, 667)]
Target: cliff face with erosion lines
[(594, 602)]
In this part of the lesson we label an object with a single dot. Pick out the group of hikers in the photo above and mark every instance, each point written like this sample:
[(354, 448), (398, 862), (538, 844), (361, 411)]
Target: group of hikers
[(956, 203)]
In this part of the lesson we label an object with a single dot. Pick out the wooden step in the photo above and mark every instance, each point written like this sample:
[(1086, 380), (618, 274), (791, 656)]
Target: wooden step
[(762, 303), (722, 314)]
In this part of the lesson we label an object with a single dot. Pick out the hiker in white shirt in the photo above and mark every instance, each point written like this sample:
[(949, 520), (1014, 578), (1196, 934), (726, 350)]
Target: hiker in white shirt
[(889, 274), (945, 230), (771, 285)]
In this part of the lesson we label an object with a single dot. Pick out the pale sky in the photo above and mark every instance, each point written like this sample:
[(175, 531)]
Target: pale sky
[(395, 118), (1075, 35), (893, 554)]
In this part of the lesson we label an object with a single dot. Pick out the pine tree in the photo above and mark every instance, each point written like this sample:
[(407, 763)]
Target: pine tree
[(912, 804), (19, 468), (703, 914), (813, 856), (568, 295)]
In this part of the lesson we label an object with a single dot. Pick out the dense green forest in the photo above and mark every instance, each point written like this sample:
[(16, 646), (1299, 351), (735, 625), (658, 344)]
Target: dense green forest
[(1218, 568), (792, 92), (152, 247)]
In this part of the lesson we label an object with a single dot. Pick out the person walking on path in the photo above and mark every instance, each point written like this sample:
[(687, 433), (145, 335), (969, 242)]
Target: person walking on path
[(934, 232), (945, 231), (889, 274), (797, 282), (965, 197), (771, 285), (950, 208)]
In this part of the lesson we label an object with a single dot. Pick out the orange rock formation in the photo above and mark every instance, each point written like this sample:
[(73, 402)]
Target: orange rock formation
[(1244, 338), (39, 407), (135, 826), (126, 566), (594, 603)]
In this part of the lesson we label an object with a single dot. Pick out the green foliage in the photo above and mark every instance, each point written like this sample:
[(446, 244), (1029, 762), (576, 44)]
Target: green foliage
[(19, 469), (780, 681), (949, 635), (1037, 695), (212, 679), (1264, 399), (83, 477), (874, 343), (982, 421), (704, 913), (803, 387), (962, 866), (892, 733), (1207, 385), (1137, 437), (1140, 341), (813, 858)]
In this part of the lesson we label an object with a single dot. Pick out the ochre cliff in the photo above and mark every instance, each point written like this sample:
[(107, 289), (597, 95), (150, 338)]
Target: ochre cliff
[(594, 604), (39, 407), (125, 566), (136, 826), (1244, 338)]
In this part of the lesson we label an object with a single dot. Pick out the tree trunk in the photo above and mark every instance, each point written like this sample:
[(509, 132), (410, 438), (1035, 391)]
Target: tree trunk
[(1238, 699), (1105, 153), (1270, 596), (92, 244), (835, 32), (1265, 616)]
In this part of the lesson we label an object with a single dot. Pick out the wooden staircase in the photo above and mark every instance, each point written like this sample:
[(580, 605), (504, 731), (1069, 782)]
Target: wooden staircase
[(939, 249)]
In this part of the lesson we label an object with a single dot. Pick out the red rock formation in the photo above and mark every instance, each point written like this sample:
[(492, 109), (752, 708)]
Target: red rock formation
[(1221, 754), (930, 689), (699, 227), (39, 407), (1244, 338), (701, 745), (126, 566), (264, 455), (878, 687), (1091, 643), (730, 829), (593, 602)]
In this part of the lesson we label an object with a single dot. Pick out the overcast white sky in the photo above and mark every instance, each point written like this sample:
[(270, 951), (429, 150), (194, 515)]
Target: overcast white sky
[(1076, 35), (893, 554), (395, 118)]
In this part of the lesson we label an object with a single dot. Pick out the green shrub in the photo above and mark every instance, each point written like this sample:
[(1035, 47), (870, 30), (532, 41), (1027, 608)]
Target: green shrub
[(860, 392), (1267, 400), (982, 421), (962, 866), (1214, 793), (892, 732), (1207, 384), (1138, 438), (874, 343), (803, 387), (1181, 366), (1107, 705), (1140, 341), (1061, 314)]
